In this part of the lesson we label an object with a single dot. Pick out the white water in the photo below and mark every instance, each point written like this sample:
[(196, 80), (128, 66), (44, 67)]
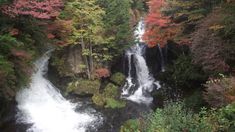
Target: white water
[(42, 105), (145, 81)]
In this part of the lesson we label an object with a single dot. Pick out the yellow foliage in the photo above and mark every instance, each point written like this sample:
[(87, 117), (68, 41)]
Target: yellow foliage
[(216, 27)]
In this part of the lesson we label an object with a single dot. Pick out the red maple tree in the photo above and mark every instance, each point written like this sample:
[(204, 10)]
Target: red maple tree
[(102, 72), (158, 27), (42, 9)]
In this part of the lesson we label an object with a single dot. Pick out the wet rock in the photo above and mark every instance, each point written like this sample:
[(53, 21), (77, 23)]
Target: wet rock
[(68, 61), (153, 59)]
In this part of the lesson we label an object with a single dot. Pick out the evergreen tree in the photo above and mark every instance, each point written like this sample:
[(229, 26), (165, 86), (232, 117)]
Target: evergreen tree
[(117, 23)]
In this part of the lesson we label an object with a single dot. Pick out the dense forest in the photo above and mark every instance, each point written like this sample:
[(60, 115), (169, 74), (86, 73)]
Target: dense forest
[(117, 65)]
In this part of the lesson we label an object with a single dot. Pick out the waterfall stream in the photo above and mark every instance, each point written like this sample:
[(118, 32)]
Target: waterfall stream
[(43, 107), (138, 89)]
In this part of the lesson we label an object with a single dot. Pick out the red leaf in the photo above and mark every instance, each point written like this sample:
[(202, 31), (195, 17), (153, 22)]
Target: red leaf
[(14, 32), (102, 72)]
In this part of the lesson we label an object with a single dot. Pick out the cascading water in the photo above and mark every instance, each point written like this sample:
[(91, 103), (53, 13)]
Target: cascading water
[(144, 81), (42, 106), (162, 59)]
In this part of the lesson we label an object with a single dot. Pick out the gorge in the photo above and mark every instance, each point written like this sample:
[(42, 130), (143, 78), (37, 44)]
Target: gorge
[(117, 66)]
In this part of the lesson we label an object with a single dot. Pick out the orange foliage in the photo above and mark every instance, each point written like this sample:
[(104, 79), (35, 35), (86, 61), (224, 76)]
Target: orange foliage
[(158, 27), (159, 36), (102, 72), (50, 36), (155, 17)]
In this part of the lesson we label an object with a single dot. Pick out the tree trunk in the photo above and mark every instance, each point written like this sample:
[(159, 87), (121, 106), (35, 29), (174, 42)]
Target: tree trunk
[(91, 61), (85, 59)]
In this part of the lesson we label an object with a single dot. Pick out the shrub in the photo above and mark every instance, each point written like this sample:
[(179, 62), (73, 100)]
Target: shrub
[(118, 78), (220, 92), (195, 101), (98, 99), (131, 125), (109, 98), (113, 103), (111, 91), (102, 72), (183, 73), (174, 117)]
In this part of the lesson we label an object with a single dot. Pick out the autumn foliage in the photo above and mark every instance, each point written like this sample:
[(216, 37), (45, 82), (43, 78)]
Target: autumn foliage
[(102, 72), (158, 27), (220, 92), (20, 54), (42, 9)]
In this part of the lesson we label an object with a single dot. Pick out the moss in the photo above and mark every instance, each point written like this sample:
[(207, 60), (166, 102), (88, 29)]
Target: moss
[(109, 98), (130, 126), (82, 87), (118, 78), (113, 103), (98, 99), (111, 91)]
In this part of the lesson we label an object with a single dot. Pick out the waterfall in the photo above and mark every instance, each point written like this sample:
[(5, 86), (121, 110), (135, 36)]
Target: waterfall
[(140, 89), (162, 59), (43, 107)]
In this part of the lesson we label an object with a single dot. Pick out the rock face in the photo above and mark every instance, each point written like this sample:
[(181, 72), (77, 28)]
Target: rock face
[(153, 59), (64, 65), (68, 61), (7, 114), (74, 59)]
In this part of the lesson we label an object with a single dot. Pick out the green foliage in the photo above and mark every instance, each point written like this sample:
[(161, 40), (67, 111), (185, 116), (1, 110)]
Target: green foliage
[(111, 91), (99, 99), (6, 66), (138, 5), (130, 126), (109, 98), (174, 117), (87, 20), (17, 51), (6, 43), (117, 25), (193, 9), (114, 104), (88, 30), (195, 101), (59, 63), (4, 2), (228, 112), (118, 78), (228, 32), (183, 73)]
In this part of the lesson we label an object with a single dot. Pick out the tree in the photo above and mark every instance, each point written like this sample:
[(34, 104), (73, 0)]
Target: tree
[(42, 9), (87, 29), (158, 29), (117, 24)]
